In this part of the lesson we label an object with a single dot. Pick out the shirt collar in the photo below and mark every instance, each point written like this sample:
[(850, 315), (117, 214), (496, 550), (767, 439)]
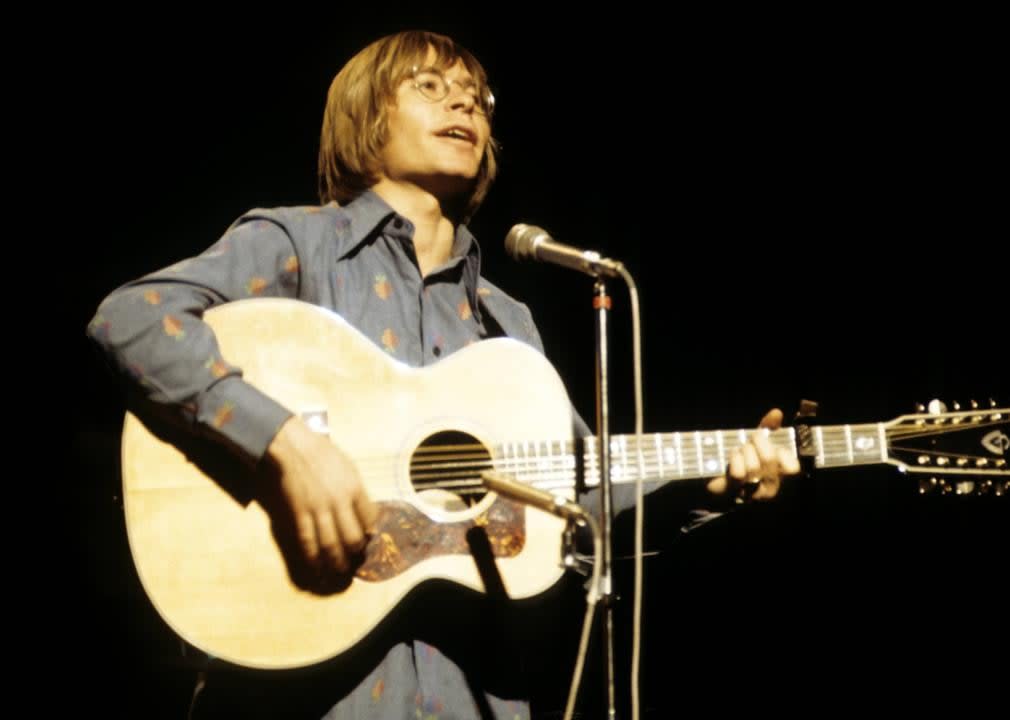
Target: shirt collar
[(368, 216)]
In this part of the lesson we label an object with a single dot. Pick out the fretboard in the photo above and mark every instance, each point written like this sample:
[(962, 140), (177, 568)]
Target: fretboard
[(684, 455)]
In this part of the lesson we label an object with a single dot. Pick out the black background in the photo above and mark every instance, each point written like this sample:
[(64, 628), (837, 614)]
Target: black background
[(813, 206)]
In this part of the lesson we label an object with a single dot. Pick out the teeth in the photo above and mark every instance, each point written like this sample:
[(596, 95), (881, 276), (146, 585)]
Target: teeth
[(456, 133)]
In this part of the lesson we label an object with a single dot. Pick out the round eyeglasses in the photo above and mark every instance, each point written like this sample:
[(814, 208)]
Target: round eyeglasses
[(434, 86)]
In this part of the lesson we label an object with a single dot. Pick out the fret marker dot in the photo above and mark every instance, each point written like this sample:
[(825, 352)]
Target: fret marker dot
[(864, 443)]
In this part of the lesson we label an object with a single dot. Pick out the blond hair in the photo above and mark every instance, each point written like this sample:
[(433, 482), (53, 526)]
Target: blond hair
[(355, 120)]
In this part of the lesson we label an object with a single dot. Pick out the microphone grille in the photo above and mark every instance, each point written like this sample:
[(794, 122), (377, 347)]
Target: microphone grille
[(520, 240)]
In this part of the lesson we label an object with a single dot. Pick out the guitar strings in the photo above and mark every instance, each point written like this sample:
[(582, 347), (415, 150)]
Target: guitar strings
[(459, 466)]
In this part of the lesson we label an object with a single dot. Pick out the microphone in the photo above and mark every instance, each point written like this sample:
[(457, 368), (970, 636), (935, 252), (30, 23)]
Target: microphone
[(528, 241), (529, 495)]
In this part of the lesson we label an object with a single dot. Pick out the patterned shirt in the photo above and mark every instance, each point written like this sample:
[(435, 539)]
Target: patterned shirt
[(359, 261)]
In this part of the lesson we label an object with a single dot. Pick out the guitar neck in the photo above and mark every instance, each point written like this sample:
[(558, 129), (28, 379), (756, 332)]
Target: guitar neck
[(704, 454), (953, 446), (686, 455)]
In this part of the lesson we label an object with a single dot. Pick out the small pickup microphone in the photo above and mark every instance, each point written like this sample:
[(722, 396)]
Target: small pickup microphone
[(529, 495)]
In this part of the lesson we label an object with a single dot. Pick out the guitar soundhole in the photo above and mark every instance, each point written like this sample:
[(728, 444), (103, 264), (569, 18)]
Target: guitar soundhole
[(445, 470)]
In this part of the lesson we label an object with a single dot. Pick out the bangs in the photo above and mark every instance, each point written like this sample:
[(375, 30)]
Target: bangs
[(411, 49)]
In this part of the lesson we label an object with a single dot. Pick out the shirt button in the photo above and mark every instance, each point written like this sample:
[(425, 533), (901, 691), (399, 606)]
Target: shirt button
[(437, 350)]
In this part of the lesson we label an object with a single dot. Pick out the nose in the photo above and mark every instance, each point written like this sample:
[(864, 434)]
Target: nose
[(459, 98)]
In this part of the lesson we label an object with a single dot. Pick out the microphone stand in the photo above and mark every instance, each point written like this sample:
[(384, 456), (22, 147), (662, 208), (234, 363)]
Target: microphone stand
[(601, 304)]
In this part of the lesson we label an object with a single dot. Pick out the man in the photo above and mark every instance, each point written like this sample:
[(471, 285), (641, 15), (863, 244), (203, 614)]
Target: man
[(406, 158)]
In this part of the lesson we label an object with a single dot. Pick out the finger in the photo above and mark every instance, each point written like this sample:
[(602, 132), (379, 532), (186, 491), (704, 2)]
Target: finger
[(737, 465), (768, 488), (718, 485), (351, 534), (367, 511), (331, 540), (305, 526), (326, 531), (751, 461), (789, 462), (772, 420), (737, 470), (765, 452)]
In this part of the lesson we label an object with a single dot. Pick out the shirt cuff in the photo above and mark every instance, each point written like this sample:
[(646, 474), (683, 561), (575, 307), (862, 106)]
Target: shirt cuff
[(243, 415)]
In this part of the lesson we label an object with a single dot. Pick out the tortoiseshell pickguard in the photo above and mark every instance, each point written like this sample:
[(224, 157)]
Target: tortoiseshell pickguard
[(406, 536)]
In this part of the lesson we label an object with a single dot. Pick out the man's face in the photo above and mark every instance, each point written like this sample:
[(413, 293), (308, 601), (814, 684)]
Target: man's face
[(436, 144)]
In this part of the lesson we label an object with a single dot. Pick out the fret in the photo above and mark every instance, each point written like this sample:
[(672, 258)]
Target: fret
[(710, 465), (699, 451), (671, 456), (568, 456), (722, 449), (850, 445), (680, 454), (658, 442), (868, 444)]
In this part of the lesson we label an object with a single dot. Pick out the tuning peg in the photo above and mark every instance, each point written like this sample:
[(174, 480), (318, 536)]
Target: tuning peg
[(941, 461), (974, 404), (965, 487), (924, 459), (937, 407), (992, 403), (981, 462), (920, 408), (957, 405)]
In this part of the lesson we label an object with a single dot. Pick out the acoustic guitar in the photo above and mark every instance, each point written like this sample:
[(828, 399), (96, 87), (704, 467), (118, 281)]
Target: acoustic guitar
[(420, 438)]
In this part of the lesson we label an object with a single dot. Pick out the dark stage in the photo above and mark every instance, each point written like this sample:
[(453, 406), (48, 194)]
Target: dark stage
[(811, 209)]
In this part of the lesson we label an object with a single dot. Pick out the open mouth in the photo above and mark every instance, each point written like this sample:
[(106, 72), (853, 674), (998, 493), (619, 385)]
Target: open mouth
[(457, 132)]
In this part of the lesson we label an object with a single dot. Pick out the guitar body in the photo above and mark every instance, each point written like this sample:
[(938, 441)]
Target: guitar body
[(210, 564)]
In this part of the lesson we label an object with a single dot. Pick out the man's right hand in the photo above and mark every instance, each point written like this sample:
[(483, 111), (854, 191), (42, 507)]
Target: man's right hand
[(320, 494)]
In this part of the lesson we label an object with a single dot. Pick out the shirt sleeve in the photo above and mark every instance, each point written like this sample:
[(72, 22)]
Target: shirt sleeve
[(152, 334)]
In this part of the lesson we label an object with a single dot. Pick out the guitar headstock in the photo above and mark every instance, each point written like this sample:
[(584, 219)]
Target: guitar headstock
[(963, 451)]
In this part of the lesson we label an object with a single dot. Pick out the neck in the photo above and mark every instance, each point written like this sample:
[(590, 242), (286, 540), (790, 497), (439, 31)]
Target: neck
[(434, 230)]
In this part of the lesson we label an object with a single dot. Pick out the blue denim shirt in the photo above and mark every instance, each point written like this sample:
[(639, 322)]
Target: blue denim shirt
[(359, 261)]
